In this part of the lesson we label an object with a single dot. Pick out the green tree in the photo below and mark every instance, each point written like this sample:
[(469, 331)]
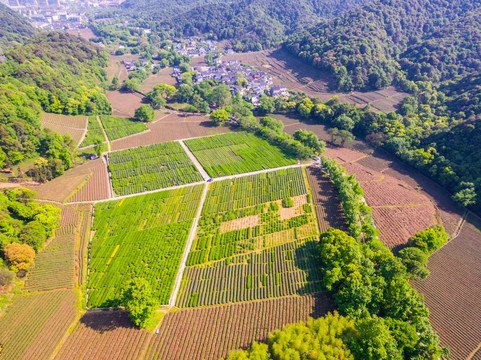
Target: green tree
[(184, 92), (131, 85), (34, 234), (343, 122), (304, 108), (219, 116), (221, 96), (267, 105), (272, 124), (346, 136), (136, 296), (466, 195), (144, 113), (429, 240), (415, 261)]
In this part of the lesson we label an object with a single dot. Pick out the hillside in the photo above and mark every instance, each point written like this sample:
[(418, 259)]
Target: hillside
[(55, 73), (15, 29), (249, 24), (387, 41)]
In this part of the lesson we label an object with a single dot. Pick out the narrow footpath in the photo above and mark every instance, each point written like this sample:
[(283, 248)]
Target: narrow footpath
[(188, 246)]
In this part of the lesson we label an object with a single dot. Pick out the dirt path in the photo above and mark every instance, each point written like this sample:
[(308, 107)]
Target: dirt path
[(197, 164), (85, 132), (105, 134), (188, 245)]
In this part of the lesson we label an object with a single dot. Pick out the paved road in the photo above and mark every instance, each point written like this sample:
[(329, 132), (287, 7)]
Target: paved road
[(188, 245), (197, 164)]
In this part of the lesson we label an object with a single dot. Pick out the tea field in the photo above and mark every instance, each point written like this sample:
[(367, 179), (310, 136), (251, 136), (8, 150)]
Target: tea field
[(118, 127), (150, 168), (142, 236), (94, 133), (236, 153)]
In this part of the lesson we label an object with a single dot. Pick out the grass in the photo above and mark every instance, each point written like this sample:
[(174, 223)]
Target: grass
[(236, 153), (142, 236), (150, 168), (118, 127), (94, 133)]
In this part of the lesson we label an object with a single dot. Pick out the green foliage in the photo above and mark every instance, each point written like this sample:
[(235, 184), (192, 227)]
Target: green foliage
[(364, 51), (138, 299), (151, 167), (117, 127), (429, 240), (144, 113), (273, 124), (142, 236), (15, 28), (287, 202), (415, 261), (236, 153), (219, 117), (94, 133)]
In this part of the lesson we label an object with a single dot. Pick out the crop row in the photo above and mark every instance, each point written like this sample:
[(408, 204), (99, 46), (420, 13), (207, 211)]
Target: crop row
[(151, 167), (94, 133), (252, 190), (34, 324), (236, 153), (118, 127), (142, 236), (287, 269)]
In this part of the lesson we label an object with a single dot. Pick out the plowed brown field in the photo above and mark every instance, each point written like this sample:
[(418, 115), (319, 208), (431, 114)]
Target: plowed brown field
[(210, 333), (105, 335), (452, 291)]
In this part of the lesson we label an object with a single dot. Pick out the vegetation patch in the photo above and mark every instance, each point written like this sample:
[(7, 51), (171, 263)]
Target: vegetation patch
[(118, 127), (236, 153), (151, 167), (142, 236)]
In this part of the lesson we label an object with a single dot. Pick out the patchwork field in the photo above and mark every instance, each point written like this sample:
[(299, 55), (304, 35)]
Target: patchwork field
[(117, 127), (169, 128), (150, 168), (210, 333), (237, 153), (94, 133), (63, 124), (453, 289), (35, 324), (296, 75), (105, 335), (255, 240), (141, 236)]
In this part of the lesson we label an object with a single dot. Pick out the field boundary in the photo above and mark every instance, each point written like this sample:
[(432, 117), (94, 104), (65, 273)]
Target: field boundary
[(196, 162), (85, 132), (188, 246)]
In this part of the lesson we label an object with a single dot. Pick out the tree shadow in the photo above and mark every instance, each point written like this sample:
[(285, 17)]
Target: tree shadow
[(103, 321)]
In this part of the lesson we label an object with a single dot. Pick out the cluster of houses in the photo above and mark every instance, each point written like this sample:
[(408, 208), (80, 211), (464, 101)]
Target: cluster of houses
[(195, 48), (242, 80), (141, 64)]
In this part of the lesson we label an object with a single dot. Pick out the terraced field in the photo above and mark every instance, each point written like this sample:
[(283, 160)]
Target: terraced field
[(236, 153), (150, 168), (142, 236), (75, 126)]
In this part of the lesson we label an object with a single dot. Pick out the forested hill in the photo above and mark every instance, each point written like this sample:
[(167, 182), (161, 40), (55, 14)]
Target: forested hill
[(250, 24), (55, 73), (14, 29), (386, 41)]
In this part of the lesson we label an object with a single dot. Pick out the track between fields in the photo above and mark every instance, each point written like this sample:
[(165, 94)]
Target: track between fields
[(197, 164), (188, 245)]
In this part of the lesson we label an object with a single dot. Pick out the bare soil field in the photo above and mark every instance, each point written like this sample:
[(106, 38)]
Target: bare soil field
[(291, 72), (92, 175), (211, 333), (453, 289), (105, 335), (63, 124), (324, 196), (164, 76), (124, 104), (117, 68), (85, 33), (169, 128)]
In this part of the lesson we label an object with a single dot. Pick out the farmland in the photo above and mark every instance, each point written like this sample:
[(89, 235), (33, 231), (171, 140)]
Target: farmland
[(118, 127), (150, 168), (249, 213), (142, 236), (169, 128), (34, 324), (236, 153), (295, 74), (109, 335), (86, 182), (54, 266), (210, 333), (124, 104), (94, 133), (63, 124), (453, 289)]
